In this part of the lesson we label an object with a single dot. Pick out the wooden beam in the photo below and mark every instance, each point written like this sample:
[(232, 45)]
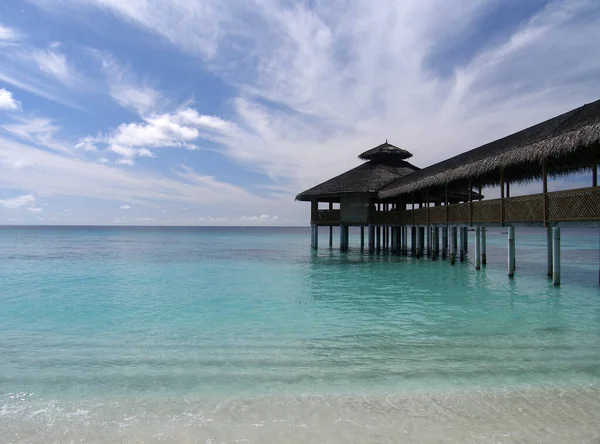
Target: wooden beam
[(595, 175)]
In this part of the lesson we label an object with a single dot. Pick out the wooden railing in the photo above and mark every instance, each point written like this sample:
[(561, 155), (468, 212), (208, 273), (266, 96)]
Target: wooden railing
[(561, 206), (331, 217)]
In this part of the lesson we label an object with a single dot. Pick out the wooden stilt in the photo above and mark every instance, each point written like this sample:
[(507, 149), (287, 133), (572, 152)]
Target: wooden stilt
[(483, 246), (477, 248), (453, 246), (462, 244), (444, 242), (331, 236), (428, 234), (466, 240), (436, 243), (378, 238), (413, 240), (511, 251), (421, 247), (362, 237), (371, 239), (314, 236), (342, 238), (556, 255), (549, 264)]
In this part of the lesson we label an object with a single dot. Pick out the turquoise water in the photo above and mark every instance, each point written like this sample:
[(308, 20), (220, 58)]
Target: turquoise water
[(114, 320)]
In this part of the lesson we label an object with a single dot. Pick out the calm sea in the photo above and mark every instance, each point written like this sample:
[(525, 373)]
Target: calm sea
[(113, 334)]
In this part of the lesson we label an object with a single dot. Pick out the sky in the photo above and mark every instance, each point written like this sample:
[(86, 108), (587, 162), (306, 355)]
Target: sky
[(211, 112)]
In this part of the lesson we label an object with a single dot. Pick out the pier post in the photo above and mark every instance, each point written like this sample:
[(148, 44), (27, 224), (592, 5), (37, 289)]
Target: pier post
[(444, 242), (421, 248), (428, 229), (483, 247), (330, 236), (466, 240), (462, 244), (413, 240), (435, 234), (362, 237), (453, 246), (477, 248), (378, 238), (511, 251), (549, 250), (371, 239), (342, 238), (314, 236), (556, 255)]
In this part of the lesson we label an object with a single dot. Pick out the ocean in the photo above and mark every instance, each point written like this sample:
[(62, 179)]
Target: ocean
[(219, 335)]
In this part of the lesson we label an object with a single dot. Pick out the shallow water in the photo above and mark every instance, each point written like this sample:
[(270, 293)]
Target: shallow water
[(233, 334)]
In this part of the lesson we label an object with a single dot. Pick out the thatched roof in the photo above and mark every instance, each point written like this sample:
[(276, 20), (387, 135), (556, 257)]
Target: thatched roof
[(385, 151), (567, 143), (368, 178)]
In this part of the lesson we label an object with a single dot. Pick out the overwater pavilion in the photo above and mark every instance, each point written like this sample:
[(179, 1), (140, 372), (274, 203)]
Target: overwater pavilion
[(441, 197)]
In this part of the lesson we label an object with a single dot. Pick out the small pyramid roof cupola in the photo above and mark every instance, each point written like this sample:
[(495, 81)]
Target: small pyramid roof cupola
[(385, 151)]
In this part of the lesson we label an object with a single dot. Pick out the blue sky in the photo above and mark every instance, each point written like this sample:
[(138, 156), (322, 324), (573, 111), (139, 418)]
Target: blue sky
[(209, 112)]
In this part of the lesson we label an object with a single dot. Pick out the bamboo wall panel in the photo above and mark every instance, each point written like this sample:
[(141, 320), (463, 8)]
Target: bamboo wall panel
[(524, 208), (487, 211), (387, 217), (420, 216), (582, 204), (325, 217), (458, 213), (437, 215)]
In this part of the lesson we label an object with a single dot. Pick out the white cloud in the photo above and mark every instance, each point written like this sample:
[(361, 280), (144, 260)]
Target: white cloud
[(45, 173), (261, 218), (212, 219), (126, 89), (125, 207), (25, 200), (8, 35), (7, 101), (178, 129), (39, 130), (55, 63)]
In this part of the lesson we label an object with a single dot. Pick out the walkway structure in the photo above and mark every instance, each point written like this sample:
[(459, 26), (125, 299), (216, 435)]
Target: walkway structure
[(441, 197)]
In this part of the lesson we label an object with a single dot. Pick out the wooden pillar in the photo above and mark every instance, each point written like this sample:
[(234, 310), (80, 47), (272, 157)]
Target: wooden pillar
[(405, 240), (445, 242), (549, 264), (378, 238), (413, 240), (330, 227), (507, 189), (362, 237), (421, 247), (511, 251), (428, 229), (436, 242), (483, 246), (478, 248), (371, 239), (595, 174), (314, 233), (342, 238), (453, 246), (466, 240), (556, 255), (462, 244)]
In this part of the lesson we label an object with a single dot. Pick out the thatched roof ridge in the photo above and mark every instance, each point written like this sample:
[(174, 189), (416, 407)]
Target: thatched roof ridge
[(385, 151), (559, 137), (368, 178)]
